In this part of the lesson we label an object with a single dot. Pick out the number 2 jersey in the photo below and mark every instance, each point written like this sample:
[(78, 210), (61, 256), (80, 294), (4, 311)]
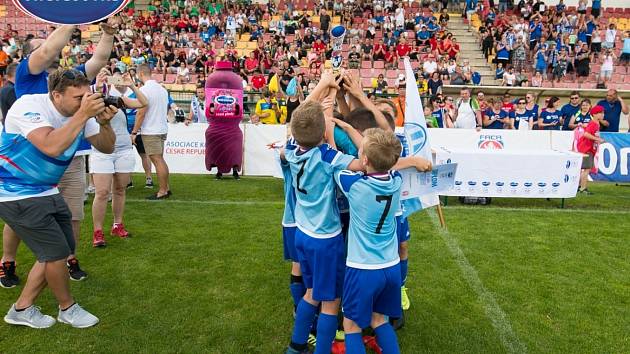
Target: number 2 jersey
[(316, 210), (374, 200)]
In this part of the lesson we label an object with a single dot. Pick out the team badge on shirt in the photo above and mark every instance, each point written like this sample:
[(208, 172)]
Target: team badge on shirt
[(33, 117)]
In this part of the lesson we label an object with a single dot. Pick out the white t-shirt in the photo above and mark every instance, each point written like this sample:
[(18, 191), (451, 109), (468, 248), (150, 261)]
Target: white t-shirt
[(155, 122), (429, 67), (27, 114), (466, 118)]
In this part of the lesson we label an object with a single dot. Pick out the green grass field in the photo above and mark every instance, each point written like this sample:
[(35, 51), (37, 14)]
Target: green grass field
[(204, 273)]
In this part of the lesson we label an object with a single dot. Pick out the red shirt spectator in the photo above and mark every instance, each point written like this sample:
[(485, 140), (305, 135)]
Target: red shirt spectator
[(251, 63), (319, 47), (586, 145), (403, 49), (454, 50)]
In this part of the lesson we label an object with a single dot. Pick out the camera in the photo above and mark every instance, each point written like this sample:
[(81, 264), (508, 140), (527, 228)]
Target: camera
[(114, 101)]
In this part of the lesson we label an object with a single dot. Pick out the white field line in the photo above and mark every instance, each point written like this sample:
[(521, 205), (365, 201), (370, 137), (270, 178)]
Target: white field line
[(499, 319)]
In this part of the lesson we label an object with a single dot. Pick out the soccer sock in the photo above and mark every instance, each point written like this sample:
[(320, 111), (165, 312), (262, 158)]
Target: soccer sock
[(297, 289), (303, 321), (386, 338), (404, 266), (326, 330), (354, 343)]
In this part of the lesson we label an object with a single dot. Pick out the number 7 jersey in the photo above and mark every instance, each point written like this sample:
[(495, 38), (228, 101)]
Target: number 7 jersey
[(374, 200), (316, 211)]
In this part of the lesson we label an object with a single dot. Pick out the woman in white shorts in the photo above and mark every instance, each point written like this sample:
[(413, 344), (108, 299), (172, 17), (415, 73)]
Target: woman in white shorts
[(113, 171)]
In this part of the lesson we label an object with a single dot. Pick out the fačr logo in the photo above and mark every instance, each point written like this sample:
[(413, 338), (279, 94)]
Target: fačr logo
[(490, 142), (64, 12)]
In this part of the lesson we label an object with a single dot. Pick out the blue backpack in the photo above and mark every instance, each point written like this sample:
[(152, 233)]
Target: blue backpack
[(476, 78)]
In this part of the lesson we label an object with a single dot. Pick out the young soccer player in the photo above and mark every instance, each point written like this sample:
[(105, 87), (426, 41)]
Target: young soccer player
[(373, 277)]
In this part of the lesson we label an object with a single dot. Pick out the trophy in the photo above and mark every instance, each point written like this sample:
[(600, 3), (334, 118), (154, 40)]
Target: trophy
[(337, 35)]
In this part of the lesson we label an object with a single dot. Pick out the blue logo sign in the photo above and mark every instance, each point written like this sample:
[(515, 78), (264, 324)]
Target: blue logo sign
[(77, 13), (225, 100), (485, 183), (568, 164), (542, 184), (500, 184), (417, 137), (555, 184), (513, 184), (566, 178), (472, 183), (527, 184), (458, 183)]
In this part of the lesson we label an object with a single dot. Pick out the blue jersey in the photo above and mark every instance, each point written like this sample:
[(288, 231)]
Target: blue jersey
[(316, 210), (344, 143), (131, 114), (372, 240), (29, 84), (551, 117), (612, 112), (288, 218), (521, 118), (568, 111), (496, 124)]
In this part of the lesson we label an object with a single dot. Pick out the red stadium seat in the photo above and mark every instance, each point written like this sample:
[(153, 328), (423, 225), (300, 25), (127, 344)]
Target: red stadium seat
[(366, 82), (365, 73), (379, 64), (392, 74), (366, 65)]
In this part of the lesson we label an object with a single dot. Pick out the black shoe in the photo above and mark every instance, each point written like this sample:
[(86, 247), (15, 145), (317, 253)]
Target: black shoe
[(76, 273), (130, 185), (236, 176), (219, 175), (8, 279), (149, 183)]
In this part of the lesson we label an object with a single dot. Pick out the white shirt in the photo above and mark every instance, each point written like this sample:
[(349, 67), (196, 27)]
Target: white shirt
[(154, 122), (611, 34), (429, 67), (198, 109), (608, 63), (466, 118)]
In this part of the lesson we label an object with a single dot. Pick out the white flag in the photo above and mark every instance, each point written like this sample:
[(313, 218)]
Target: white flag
[(417, 140)]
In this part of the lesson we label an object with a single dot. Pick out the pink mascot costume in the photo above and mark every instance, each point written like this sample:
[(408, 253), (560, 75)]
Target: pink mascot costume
[(224, 109)]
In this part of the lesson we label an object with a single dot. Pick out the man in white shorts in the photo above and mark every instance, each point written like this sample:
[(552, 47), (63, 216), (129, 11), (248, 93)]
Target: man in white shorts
[(112, 172)]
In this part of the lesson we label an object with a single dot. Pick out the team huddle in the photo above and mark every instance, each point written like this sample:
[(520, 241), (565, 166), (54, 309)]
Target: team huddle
[(342, 222)]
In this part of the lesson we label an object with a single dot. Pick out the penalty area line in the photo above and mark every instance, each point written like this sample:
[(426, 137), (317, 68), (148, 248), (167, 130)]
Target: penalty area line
[(205, 202), (497, 317)]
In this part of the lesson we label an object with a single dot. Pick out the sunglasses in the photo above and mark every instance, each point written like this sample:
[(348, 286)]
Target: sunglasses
[(521, 103), (70, 74), (575, 98)]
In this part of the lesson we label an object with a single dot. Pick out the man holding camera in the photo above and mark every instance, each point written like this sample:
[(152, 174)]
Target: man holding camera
[(42, 134), (32, 77)]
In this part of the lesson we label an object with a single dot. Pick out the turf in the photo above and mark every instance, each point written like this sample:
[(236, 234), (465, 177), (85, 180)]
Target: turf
[(203, 272)]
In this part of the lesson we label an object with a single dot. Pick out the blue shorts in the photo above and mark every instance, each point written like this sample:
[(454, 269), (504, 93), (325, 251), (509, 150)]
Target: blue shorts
[(288, 240), (402, 229), (322, 262), (371, 290)]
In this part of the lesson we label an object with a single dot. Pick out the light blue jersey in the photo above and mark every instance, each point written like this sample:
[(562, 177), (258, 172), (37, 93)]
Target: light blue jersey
[(372, 240), (316, 210), (288, 218)]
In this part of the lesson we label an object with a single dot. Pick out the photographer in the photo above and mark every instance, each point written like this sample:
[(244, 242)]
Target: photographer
[(46, 130), (112, 172)]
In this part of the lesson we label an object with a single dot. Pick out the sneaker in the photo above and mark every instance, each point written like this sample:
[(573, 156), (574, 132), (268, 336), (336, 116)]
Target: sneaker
[(98, 239), (149, 183), (312, 340), (405, 298), (397, 323), (235, 175), (130, 185), (585, 191), (8, 279), (76, 273), (340, 335), (31, 317), (77, 317), (219, 175), (119, 230), (90, 189)]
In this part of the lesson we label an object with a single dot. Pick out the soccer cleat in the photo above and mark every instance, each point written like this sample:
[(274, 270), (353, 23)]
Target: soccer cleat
[(404, 298), (340, 335), (312, 340), (338, 348), (149, 183), (370, 343), (397, 323), (77, 317), (120, 231), (295, 351), (8, 279), (98, 239), (31, 317), (76, 273), (219, 175), (235, 175)]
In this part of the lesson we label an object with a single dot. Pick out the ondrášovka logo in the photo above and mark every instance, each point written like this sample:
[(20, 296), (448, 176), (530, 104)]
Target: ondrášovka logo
[(417, 137), (64, 12), (491, 142)]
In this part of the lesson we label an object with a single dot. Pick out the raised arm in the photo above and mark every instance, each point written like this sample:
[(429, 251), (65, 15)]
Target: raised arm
[(43, 57), (352, 85), (103, 49)]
